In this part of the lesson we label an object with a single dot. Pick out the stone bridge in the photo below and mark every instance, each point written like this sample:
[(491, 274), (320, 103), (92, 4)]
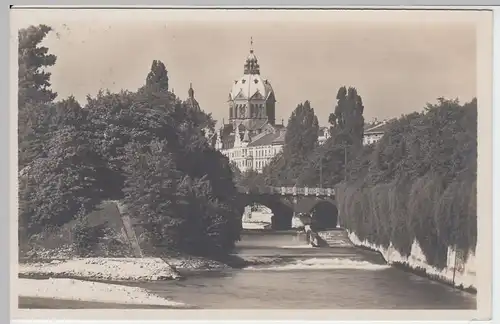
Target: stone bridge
[(285, 202)]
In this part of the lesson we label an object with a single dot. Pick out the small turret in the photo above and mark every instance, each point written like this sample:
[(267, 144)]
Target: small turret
[(191, 101), (246, 136)]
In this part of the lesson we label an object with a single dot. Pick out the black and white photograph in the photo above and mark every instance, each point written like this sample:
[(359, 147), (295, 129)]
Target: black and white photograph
[(251, 159)]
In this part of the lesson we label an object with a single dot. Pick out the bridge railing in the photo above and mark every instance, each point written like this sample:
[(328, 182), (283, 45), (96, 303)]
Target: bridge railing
[(293, 191)]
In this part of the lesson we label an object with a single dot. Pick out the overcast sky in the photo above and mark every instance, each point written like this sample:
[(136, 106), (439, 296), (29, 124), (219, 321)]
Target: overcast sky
[(397, 61)]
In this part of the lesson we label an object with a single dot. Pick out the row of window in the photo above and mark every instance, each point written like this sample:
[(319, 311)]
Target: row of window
[(266, 152), (248, 164), (371, 139), (240, 110)]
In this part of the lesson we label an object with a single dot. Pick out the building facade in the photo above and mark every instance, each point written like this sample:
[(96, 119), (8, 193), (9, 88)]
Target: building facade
[(323, 135), (251, 138), (374, 133)]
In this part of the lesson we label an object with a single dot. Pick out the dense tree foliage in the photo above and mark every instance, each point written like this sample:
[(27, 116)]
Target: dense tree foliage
[(347, 119), (34, 93), (303, 162), (145, 148), (417, 183), (34, 81), (326, 165), (300, 141)]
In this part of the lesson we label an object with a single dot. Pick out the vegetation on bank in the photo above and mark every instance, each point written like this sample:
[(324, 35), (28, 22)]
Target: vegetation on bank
[(303, 162), (417, 183), (145, 148)]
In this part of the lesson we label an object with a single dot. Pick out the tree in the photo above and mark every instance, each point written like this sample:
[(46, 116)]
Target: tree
[(61, 186), (417, 183), (301, 133), (300, 141), (151, 191), (201, 216), (158, 76), (34, 94), (145, 148), (34, 81), (347, 119)]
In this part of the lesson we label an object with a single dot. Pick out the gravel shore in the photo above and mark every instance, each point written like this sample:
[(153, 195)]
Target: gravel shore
[(47, 292), (112, 269)]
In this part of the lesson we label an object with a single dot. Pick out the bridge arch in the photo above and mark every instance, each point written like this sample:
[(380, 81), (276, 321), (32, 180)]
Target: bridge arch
[(323, 211), (285, 202), (325, 215), (281, 209)]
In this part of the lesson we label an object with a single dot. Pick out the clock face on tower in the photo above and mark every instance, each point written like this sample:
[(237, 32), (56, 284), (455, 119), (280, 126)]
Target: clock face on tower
[(242, 111)]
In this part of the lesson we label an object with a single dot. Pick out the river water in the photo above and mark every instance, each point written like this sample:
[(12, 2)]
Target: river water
[(340, 277)]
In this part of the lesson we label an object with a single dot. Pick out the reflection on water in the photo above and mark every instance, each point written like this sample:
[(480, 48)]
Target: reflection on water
[(337, 288), (336, 278)]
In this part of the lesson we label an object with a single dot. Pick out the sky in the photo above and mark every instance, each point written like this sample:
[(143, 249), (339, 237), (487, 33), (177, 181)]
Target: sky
[(398, 61)]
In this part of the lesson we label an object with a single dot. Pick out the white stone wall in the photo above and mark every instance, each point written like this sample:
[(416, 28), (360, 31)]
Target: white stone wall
[(465, 272)]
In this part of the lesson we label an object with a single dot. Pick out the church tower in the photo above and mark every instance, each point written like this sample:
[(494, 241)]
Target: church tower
[(191, 102), (251, 99)]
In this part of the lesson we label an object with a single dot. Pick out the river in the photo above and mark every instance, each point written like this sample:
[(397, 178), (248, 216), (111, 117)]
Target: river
[(340, 277)]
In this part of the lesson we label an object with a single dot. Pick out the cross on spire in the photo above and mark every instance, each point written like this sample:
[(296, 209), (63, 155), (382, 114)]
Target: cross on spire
[(251, 44), (191, 91)]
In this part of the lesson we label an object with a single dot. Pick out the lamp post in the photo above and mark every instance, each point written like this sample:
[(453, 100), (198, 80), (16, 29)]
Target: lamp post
[(345, 162), (321, 172)]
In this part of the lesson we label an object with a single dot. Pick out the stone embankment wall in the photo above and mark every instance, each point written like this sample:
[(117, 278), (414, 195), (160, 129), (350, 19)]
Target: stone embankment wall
[(459, 272)]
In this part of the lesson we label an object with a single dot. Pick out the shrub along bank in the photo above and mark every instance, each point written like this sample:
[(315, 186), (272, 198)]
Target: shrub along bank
[(145, 148), (417, 184)]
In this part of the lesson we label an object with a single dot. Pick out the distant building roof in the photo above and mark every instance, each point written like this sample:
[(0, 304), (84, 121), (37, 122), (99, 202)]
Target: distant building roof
[(377, 129), (268, 139), (260, 133), (322, 130)]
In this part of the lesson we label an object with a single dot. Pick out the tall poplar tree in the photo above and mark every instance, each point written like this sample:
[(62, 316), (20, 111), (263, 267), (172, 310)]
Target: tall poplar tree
[(347, 119)]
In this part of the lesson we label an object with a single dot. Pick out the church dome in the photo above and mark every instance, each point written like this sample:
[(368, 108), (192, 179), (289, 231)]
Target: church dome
[(251, 85)]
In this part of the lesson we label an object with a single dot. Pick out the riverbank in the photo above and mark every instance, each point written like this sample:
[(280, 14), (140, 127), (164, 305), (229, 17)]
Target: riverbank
[(113, 269), (95, 282), (72, 293), (172, 267), (461, 277)]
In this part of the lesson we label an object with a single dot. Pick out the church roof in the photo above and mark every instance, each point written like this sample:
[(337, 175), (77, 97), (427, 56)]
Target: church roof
[(254, 124), (267, 139), (280, 139), (275, 137), (251, 85)]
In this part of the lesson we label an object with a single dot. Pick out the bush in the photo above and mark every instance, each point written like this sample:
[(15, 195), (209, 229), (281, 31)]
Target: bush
[(137, 147), (86, 237), (419, 184)]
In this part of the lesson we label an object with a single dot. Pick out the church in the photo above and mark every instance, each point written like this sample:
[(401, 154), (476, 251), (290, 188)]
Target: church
[(252, 137)]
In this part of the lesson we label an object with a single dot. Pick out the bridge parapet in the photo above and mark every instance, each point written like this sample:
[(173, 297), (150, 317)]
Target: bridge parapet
[(288, 191)]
